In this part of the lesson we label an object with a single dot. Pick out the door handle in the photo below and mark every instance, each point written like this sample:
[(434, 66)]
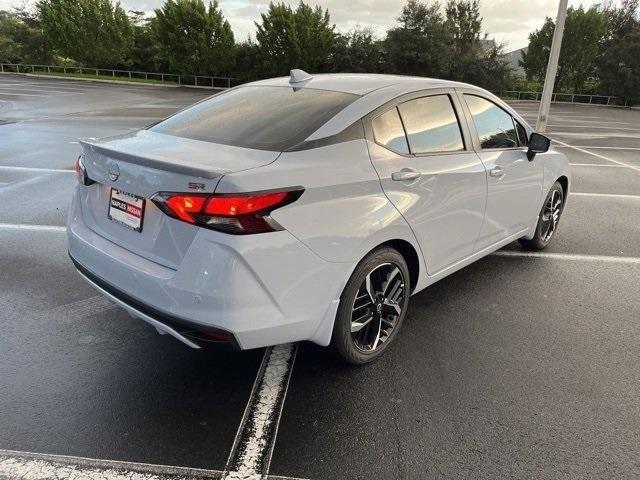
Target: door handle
[(496, 172), (405, 175)]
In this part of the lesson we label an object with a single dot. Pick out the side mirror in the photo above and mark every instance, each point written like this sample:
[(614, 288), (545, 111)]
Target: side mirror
[(537, 144)]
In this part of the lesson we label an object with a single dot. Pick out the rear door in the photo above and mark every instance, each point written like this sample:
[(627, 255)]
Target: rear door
[(428, 169), (514, 183)]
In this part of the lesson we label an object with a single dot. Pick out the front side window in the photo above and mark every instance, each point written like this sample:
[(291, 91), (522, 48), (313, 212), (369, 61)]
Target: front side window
[(495, 126), (260, 117), (522, 134), (432, 125), (389, 132)]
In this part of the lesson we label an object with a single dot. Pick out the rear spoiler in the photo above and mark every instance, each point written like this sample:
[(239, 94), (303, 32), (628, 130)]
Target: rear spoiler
[(152, 161), (169, 153)]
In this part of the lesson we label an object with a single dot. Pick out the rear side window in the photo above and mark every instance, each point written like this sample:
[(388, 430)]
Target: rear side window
[(260, 117), (432, 125), (389, 132), (495, 126)]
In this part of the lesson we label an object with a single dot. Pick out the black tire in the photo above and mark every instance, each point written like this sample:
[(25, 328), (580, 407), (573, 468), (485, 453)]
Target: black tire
[(379, 265), (548, 219)]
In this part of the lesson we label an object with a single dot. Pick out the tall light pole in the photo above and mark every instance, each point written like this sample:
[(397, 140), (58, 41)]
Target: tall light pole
[(552, 68)]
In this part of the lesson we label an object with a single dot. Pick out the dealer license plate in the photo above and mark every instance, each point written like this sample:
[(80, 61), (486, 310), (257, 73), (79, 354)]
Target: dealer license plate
[(126, 209)]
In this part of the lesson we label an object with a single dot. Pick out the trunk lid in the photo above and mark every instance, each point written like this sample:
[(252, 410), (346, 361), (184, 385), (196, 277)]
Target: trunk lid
[(144, 163)]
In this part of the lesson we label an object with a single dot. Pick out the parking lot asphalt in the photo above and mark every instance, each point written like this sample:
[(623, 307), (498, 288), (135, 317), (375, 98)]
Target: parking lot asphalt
[(517, 366)]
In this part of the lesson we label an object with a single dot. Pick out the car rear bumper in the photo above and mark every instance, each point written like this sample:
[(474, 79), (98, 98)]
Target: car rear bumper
[(178, 328), (255, 290)]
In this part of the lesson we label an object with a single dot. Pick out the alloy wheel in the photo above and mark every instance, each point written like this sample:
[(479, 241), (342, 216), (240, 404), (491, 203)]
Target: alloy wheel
[(551, 215), (377, 307)]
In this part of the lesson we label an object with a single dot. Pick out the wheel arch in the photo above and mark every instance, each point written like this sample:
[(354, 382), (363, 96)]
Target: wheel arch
[(564, 183), (409, 251), (410, 255)]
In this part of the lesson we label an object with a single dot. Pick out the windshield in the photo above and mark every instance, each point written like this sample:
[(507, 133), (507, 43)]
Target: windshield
[(260, 117)]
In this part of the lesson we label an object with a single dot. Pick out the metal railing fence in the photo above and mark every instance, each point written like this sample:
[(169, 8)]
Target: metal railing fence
[(226, 82), (131, 75), (559, 97)]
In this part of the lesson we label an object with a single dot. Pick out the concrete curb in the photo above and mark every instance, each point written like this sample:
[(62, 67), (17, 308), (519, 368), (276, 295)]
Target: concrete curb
[(99, 80), (102, 80)]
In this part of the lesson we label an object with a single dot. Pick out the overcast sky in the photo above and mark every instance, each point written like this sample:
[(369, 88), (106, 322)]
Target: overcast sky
[(508, 21)]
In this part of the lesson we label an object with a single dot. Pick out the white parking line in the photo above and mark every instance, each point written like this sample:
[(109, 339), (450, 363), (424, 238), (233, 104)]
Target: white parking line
[(29, 466), (583, 150), (22, 94), (606, 195), (597, 165), (35, 228), (601, 148), (56, 83), (37, 466), (568, 114), (601, 120), (38, 90), (608, 127), (568, 256), (252, 448), (21, 184), (36, 169), (590, 135)]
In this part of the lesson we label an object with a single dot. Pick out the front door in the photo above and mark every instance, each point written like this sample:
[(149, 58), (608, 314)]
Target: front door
[(429, 171), (514, 183)]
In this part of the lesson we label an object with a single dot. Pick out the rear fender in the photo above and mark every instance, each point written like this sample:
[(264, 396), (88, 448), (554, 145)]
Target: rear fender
[(342, 215)]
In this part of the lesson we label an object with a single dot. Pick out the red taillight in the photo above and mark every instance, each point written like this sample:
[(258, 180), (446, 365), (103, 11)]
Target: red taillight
[(243, 205), (231, 213), (185, 207)]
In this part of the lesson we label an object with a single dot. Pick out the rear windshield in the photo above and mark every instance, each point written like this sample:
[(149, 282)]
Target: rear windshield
[(264, 118)]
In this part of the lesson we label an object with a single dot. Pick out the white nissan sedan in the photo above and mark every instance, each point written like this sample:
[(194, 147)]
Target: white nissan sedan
[(309, 207)]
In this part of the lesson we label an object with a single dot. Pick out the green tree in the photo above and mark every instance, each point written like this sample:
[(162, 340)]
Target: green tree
[(619, 59), (195, 39), (10, 49), (426, 43), (620, 68), (464, 22), (247, 59), (301, 38), (584, 31), (22, 39), (357, 52), (588, 28), (473, 59), (534, 59), (145, 53), (92, 32), (620, 21), (489, 69), (35, 45), (421, 44)]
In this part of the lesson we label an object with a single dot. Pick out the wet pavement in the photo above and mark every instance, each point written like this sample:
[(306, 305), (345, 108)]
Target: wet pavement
[(513, 367)]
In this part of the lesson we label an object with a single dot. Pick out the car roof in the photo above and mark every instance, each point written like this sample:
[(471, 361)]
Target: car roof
[(374, 90), (361, 83)]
